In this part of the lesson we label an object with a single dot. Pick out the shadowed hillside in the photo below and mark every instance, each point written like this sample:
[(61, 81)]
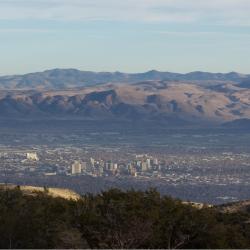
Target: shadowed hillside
[(170, 102), (116, 219)]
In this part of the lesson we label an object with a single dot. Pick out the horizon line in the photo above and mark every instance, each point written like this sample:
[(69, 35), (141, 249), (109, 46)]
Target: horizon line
[(122, 72)]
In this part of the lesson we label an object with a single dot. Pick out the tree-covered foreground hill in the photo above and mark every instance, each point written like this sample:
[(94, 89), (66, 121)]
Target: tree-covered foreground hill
[(116, 219)]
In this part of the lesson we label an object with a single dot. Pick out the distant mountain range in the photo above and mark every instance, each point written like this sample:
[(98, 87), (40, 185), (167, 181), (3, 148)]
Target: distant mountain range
[(71, 78), (168, 98)]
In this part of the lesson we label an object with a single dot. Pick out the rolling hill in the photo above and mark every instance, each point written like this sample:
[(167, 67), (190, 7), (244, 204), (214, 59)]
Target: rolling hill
[(200, 98)]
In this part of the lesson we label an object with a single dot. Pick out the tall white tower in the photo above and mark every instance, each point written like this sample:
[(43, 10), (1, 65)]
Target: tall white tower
[(76, 167)]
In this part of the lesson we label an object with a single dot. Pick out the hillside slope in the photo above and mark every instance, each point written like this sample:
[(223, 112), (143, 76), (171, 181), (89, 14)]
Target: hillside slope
[(53, 192), (116, 220), (177, 103)]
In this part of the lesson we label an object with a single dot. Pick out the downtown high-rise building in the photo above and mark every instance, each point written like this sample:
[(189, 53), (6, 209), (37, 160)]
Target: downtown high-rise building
[(76, 168)]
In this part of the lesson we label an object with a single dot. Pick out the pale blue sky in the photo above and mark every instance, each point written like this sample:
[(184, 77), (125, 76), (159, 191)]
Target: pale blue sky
[(125, 35)]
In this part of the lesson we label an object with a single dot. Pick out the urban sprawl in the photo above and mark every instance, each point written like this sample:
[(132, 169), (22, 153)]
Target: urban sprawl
[(221, 168)]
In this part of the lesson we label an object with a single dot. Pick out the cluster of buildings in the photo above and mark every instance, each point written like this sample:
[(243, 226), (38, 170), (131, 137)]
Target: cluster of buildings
[(141, 165), (72, 163), (213, 168)]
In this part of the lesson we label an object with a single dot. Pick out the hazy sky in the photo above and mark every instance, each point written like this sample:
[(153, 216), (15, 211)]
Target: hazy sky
[(125, 35)]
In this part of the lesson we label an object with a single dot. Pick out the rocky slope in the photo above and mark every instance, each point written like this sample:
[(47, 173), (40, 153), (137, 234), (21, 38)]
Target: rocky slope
[(235, 207), (170, 101), (54, 192)]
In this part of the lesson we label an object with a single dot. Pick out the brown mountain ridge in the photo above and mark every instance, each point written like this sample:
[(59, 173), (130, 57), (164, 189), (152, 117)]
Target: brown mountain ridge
[(199, 98)]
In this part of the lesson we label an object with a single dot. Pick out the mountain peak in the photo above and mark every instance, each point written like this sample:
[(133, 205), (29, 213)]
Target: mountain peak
[(68, 78)]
